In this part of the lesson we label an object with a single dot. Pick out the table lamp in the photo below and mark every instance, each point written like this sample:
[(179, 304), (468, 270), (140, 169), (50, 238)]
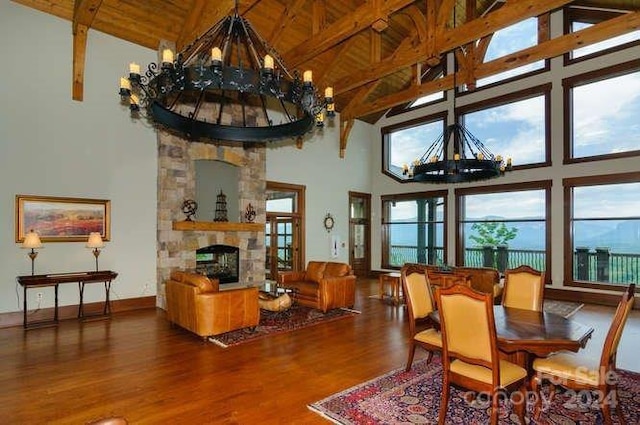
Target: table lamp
[(95, 242), (32, 241)]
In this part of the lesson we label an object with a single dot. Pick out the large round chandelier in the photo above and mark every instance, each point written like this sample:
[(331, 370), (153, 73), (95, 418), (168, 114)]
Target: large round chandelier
[(228, 85)]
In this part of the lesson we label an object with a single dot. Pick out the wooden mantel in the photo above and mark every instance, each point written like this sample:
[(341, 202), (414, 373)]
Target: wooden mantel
[(218, 226)]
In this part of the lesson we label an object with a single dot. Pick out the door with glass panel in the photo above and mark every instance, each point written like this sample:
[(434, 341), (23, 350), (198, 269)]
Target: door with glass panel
[(359, 233), (283, 229)]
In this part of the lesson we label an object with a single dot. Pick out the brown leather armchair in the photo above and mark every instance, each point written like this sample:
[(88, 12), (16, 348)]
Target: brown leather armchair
[(323, 285), (196, 303)]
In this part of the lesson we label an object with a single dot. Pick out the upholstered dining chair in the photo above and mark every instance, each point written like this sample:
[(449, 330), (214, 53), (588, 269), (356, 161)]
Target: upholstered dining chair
[(419, 300), (470, 356), (523, 288), (580, 372)]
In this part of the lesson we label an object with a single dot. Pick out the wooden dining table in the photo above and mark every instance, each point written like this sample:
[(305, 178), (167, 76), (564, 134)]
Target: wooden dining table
[(523, 333)]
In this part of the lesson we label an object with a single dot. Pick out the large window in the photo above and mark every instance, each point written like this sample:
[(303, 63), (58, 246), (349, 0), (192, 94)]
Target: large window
[(504, 226), (516, 127), (603, 227), (508, 40), (406, 143), (605, 105), (413, 229)]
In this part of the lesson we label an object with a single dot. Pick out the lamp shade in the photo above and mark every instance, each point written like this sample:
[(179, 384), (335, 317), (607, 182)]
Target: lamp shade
[(95, 240), (31, 240)]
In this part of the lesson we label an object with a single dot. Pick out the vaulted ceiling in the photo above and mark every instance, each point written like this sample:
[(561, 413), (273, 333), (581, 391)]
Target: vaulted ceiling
[(375, 53)]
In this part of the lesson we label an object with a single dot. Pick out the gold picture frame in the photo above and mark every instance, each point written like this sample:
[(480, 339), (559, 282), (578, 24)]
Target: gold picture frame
[(61, 219)]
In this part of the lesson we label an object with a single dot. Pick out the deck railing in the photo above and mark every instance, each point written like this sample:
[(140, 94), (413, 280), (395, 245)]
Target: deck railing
[(599, 265)]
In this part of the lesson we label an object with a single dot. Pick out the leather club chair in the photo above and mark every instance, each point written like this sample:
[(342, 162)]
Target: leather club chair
[(323, 285), (196, 303)]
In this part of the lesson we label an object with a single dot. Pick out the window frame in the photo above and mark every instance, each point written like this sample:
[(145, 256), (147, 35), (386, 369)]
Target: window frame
[(573, 14), (528, 93), (385, 133), (568, 185), (384, 220), (568, 84), (505, 188)]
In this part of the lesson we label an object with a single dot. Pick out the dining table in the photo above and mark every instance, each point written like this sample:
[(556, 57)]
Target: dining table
[(522, 334)]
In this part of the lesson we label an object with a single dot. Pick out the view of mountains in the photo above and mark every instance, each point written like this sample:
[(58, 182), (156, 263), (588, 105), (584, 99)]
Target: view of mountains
[(618, 236)]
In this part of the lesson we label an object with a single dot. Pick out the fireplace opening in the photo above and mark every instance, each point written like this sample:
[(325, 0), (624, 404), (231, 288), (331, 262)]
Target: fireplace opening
[(219, 261)]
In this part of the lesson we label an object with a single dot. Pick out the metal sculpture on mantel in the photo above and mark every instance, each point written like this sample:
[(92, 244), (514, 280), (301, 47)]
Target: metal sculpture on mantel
[(221, 207), (189, 208)]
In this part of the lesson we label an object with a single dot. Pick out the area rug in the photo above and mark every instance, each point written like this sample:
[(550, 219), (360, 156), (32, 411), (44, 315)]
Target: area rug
[(413, 397), (273, 323), (565, 309)]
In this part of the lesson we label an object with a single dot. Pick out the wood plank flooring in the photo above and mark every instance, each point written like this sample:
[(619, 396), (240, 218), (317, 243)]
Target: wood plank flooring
[(136, 365)]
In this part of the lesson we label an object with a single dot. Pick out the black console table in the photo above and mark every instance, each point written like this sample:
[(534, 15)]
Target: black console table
[(82, 278)]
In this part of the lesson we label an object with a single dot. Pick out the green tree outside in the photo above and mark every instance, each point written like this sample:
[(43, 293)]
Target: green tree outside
[(492, 233)]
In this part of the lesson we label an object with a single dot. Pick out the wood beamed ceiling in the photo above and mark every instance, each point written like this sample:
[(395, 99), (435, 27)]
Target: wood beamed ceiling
[(374, 53)]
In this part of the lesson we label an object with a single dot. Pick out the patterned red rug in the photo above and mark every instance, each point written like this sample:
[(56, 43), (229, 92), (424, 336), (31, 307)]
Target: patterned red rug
[(414, 397), (272, 323)]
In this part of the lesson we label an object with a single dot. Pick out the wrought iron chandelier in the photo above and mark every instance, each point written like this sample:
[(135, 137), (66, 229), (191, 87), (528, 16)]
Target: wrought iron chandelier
[(227, 85), (471, 161)]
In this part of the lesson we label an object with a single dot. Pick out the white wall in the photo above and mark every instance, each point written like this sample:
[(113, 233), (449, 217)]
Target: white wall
[(384, 185), (52, 145), (328, 180)]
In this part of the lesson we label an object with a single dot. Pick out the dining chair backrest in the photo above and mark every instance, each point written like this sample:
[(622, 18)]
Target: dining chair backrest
[(417, 291), (523, 288), (610, 348), (468, 326)]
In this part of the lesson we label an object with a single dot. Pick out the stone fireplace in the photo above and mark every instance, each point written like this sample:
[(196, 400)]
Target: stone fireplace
[(177, 240)]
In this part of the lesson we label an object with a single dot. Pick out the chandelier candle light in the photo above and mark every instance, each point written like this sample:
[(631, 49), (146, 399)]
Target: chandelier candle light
[(229, 85)]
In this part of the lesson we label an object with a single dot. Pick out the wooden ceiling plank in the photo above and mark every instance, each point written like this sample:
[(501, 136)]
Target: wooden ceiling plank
[(335, 57), (61, 9), (79, 54), (287, 17), (319, 19), (551, 48), (501, 18), (190, 27), (337, 32)]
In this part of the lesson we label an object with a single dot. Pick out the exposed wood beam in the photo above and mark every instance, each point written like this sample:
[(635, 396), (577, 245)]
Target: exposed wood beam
[(344, 135), (345, 27), (79, 54), (84, 12), (551, 48), (509, 14), (287, 16)]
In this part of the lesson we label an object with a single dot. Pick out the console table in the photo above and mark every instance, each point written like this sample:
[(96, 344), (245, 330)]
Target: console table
[(82, 278)]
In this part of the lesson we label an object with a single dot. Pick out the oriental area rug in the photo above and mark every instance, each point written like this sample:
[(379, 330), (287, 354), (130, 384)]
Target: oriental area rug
[(274, 323), (413, 397)]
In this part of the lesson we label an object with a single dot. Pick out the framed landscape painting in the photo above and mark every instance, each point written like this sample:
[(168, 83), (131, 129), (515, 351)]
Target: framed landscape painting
[(58, 219)]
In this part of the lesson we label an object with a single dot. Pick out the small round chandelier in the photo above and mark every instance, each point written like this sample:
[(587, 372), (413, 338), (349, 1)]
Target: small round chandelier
[(227, 85)]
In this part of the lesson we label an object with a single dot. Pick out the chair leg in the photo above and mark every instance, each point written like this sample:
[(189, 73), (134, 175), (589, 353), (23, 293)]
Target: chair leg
[(412, 352), (444, 402), (537, 407), (521, 403), (495, 405)]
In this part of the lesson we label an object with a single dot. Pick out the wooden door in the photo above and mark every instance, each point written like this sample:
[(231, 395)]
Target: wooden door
[(360, 233)]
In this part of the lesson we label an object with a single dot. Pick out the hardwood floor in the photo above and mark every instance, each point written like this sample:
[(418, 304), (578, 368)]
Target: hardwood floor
[(137, 366)]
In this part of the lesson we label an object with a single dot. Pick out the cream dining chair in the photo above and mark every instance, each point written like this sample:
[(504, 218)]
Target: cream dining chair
[(579, 372), (419, 300), (523, 288), (470, 356)]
